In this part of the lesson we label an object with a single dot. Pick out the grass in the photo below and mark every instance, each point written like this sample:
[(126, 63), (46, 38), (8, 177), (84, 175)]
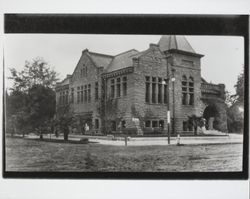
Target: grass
[(35, 155)]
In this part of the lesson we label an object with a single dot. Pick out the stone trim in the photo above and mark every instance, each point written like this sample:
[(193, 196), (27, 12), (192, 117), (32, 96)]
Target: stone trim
[(119, 72)]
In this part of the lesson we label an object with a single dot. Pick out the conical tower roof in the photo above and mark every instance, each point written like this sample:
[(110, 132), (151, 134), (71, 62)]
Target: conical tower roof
[(177, 42)]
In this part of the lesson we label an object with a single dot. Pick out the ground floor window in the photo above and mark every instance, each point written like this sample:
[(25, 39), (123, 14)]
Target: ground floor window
[(185, 126), (96, 123), (154, 124), (123, 124), (161, 124), (113, 125), (147, 123)]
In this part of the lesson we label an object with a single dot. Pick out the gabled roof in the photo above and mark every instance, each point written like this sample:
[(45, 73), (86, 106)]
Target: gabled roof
[(101, 60), (177, 42), (122, 60)]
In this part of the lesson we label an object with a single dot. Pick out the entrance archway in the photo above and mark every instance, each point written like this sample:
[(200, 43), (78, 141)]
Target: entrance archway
[(211, 114)]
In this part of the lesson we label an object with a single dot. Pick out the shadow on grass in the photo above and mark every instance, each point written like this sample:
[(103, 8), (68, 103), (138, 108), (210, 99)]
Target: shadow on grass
[(61, 141)]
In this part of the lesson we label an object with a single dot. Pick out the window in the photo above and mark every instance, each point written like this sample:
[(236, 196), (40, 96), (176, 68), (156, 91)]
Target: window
[(72, 95), (112, 93), (185, 125), (66, 97), (147, 94), (154, 124), (191, 91), (184, 90), (78, 95), (96, 123), (187, 90), (86, 71), (60, 98), (85, 93), (96, 91), (118, 87), (147, 123), (153, 90), (190, 126), (165, 92), (123, 124), (113, 125), (124, 86), (81, 94), (161, 124), (89, 93), (159, 90)]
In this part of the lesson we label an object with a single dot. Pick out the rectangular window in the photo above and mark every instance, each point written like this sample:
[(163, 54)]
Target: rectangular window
[(191, 99), (159, 90), (85, 94), (60, 98), (118, 87), (147, 94), (113, 125), (184, 98), (67, 97), (147, 123), (165, 97), (124, 86), (185, 126), (96, 91), (153, 90), (123, 124), (96, 123), (81, 94), (161, 124), (154, 124), (112, 92), (89, 93), (78, 95), (72, 95)]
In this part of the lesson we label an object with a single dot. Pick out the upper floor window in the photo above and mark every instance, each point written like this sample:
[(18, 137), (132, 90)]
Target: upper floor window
[(112, 91), (187, 90), (78, 94), (89, 93), (81, 94), (72, 95), (85, 93), (124, 86), (147, 91), (153, 89), (96, 91), (118, 87)]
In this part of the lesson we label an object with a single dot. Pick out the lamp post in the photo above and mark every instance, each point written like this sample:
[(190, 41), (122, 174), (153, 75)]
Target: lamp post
[(168, 108), (173, 86)]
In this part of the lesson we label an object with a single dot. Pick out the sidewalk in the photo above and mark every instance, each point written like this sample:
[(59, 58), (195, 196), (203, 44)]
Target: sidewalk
[(141, 141)]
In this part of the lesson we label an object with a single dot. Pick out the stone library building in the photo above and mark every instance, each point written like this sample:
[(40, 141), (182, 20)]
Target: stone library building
[(148, 92)]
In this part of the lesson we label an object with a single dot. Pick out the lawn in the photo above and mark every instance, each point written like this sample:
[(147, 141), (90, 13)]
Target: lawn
[(35, 155)]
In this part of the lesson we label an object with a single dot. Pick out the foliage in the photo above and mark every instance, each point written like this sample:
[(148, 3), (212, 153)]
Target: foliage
[(30, 105), (64, 119), (37, 72), (235, 112)]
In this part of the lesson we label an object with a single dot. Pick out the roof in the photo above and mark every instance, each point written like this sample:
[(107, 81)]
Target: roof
[(101, 60), (122, 60), (177, 42)]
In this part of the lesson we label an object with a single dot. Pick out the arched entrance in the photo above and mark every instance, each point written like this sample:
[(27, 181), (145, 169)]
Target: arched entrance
[(211, 115)]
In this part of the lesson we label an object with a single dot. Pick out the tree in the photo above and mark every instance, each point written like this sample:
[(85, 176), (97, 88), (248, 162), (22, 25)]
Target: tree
[(65, 119), (36, 72), (31, 103), (235, 112), (196, 122)]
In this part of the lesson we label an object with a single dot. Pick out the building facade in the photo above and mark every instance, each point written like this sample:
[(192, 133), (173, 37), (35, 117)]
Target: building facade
[(142, 92)]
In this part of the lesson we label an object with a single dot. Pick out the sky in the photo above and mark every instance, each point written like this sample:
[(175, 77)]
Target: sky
[(222, 63)]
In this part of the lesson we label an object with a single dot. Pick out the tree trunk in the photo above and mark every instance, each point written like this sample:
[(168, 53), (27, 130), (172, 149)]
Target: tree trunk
[(66, 133)]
